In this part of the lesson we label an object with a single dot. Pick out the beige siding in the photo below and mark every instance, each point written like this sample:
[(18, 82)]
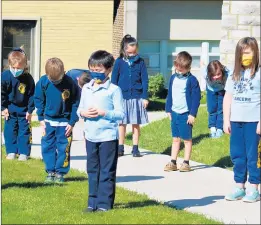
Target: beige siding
[(70, 30)]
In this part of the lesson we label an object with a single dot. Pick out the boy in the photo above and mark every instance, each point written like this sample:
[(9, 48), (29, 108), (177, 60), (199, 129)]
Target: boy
[(56, 100), (101, 106), (182, 105), (79, 76), (17, 90)]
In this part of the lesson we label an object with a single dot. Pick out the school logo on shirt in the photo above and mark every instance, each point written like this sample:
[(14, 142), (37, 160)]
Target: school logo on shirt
[(65, 94), (21, 88)]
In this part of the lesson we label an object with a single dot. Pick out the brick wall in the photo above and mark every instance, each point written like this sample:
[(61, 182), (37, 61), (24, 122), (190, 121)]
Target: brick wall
[(70, 30), (239, 19), (118, 27)]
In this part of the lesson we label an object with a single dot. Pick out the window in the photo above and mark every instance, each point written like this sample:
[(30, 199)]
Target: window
[(17, 33)]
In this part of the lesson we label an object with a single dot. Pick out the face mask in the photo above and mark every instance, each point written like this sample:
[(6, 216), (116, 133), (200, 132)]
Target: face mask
[(16, 72), (247, 60), (98, 77), (56, 82)]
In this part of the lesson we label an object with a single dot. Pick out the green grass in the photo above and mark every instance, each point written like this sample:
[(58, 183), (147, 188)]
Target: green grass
[(157, 138), (203, 98), (156, 104), (26, 200), (33, 124)]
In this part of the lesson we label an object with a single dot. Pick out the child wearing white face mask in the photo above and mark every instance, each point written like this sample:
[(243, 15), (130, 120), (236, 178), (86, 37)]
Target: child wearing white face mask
[(17, 90)]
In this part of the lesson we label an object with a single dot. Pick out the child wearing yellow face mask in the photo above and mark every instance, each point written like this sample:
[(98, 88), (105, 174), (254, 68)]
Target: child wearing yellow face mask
[(242, 119)]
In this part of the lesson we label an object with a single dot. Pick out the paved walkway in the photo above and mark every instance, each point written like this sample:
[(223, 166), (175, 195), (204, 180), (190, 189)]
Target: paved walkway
[(201, 191)]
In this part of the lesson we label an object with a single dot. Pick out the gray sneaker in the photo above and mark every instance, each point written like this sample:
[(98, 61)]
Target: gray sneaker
[(22, 157), (11, 156)]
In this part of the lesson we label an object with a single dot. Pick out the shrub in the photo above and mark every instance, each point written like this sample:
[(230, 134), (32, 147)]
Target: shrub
[(156, 85)]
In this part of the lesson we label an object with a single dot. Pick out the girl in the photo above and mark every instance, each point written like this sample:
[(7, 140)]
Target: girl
[(216, 75), (242, 119), (130, 74)]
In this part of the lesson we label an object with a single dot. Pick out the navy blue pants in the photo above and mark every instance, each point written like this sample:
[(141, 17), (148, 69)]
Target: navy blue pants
[(215, 108), (243, 151), (18, 135), (56, 149), (101, 168)]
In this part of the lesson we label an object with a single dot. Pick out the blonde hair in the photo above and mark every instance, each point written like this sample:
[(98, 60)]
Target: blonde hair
[(54, 68), (17, 56)]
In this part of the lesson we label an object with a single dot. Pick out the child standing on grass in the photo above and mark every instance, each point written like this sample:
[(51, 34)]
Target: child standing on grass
[(17, 90), (215, 75), (182, 105), (130, 74), (101, 106), (242, 119), (56, 100)]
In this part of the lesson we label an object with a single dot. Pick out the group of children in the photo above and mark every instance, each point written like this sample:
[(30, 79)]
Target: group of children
[(107, 104)]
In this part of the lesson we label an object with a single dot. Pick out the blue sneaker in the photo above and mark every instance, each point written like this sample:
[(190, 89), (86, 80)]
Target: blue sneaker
[(252, 195), (212, 132), (219, 133), (236, 194)]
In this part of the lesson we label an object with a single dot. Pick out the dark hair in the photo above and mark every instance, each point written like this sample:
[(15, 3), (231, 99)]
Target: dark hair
[(241, 45), (183, 60), (127, 39), (84, 79), (212, 68), (101, 58)]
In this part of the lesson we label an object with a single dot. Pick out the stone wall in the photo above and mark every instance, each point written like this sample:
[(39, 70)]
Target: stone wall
[(239, 19)]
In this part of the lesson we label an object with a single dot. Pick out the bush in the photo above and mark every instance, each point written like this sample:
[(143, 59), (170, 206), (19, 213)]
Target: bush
[(156, 85)]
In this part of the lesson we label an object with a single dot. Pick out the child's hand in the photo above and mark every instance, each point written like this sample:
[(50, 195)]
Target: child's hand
[(227, 127), (145, 103), (202, 63), (43, 126), (191, 120), (169, 115), (68, 130), (258, 128), (28, 117), (90, 113), (101, 112), (5, 113)]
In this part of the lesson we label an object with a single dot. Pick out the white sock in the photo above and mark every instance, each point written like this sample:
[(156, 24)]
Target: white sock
[(213, 130)]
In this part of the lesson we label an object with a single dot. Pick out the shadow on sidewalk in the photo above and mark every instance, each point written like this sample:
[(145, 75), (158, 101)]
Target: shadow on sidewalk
[(224, 162), (187, 203), (78, 157), (136, 204), (122, 179)]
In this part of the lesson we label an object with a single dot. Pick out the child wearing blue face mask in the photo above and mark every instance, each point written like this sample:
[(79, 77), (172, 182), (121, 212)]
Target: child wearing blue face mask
[(101, 106), (182, 105), (130, 74), (56, 100), (17, 106)]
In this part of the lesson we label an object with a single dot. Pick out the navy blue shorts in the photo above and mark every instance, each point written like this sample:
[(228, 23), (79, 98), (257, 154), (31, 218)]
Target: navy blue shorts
[(179, 126)]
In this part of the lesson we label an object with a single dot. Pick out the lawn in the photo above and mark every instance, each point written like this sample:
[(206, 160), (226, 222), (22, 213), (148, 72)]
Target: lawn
[(26, 200), (157, 138)]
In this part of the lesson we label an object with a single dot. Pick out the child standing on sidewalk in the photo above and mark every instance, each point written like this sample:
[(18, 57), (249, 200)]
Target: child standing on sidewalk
[(130, 74), (56, 100), (182, 105), (215, 75), (17, 106), (242, 119), (101, 106)]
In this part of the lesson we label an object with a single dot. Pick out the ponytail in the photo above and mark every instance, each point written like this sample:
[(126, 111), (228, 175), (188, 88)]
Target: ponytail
[(127, 39)]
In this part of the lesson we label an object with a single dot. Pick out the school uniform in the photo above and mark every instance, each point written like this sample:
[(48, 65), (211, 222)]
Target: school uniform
[(132, 77), (75, 74), (101, 136), (57, 106), (17, 96), (215, 95), (244, 117), (183, 100)]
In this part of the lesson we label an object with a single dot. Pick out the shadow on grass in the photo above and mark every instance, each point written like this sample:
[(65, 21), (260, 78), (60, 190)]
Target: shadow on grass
[(136, 204), (195, 141), (156, 105), (40, 184), (224, 162)]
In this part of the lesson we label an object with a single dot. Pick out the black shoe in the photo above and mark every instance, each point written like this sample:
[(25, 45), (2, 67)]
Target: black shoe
[(136, 154), (89, 210), (102, 210), (120, 154)]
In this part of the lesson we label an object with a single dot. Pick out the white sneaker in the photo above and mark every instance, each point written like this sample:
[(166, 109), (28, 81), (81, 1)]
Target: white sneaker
[(22, 157), (11, 156)]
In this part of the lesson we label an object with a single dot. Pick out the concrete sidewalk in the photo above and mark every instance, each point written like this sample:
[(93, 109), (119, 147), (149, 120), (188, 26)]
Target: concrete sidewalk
[(200, 191)]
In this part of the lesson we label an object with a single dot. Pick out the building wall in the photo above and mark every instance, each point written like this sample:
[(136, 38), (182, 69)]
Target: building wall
[(239, 19), (118, 26), (70, 30)]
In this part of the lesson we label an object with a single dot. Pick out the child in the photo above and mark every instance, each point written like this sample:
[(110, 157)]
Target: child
[(216, 75), (130, 74), (56, 100), (17, 90), (101, 107), (79, 76), (242, 119), (182, 105)]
